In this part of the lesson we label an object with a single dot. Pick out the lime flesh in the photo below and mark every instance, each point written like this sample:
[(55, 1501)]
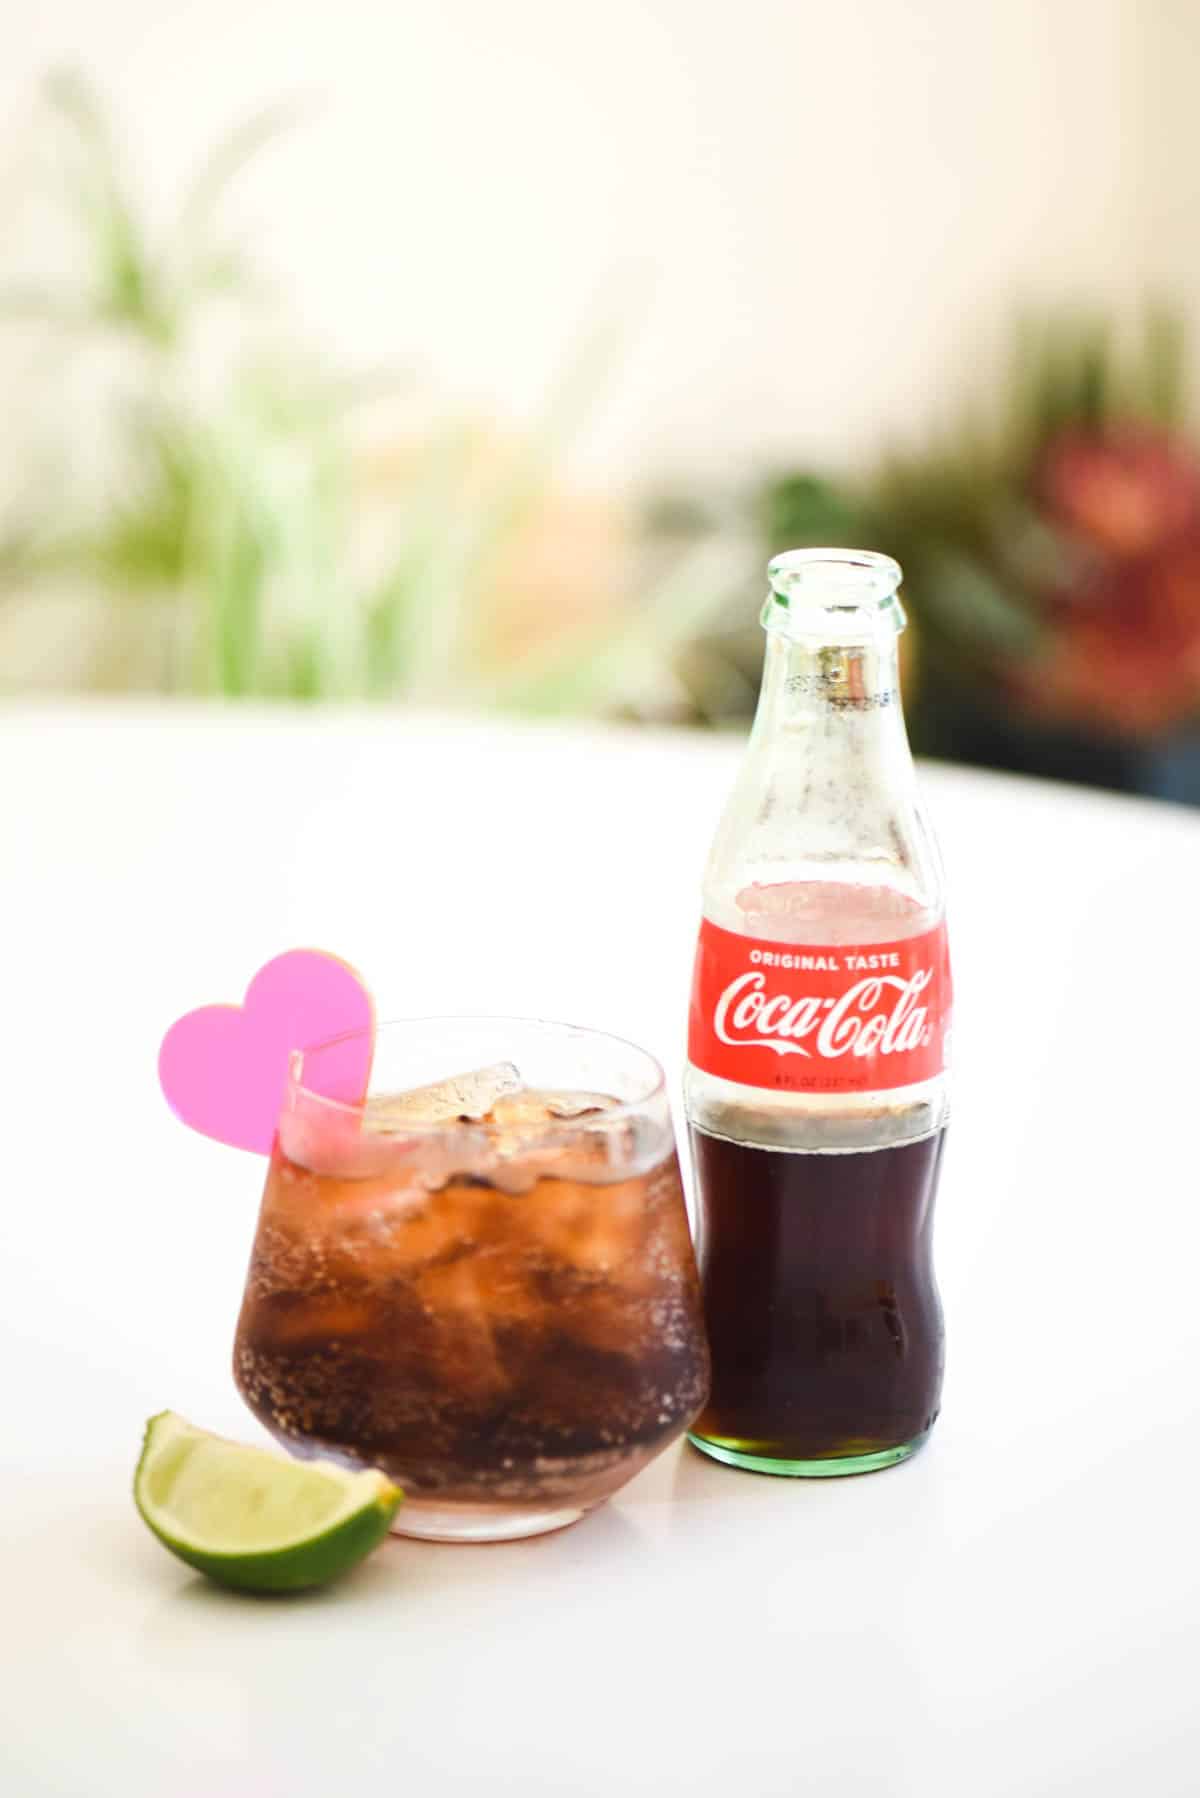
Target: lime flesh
[(252, 1520)]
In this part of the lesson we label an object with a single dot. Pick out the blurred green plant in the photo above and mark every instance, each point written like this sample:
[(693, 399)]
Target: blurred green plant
[(232, 497)]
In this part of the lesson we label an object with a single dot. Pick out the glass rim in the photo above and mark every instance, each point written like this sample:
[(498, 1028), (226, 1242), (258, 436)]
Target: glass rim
[(656, 1088), (879, 575)]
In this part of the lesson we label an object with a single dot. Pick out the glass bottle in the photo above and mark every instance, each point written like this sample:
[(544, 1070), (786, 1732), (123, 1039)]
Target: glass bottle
[(815, 1087)]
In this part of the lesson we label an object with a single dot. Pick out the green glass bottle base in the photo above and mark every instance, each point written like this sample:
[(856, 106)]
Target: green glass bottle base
[(832, 1468)]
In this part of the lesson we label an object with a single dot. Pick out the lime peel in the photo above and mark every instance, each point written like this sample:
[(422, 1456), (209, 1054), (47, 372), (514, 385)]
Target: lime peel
[(252, 1520)]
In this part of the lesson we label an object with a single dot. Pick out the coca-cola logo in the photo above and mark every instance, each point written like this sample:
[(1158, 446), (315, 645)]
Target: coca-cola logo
[(820, 1017), (877, 1015)]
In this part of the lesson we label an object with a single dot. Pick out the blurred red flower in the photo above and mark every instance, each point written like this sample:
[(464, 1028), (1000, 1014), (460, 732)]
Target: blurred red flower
[(1124, 650), (1125, 492)]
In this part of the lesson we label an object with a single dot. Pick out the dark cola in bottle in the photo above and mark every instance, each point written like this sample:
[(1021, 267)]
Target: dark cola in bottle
[(817, 1041)]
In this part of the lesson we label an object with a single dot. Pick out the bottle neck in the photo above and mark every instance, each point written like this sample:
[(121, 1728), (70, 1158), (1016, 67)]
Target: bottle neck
[(850, 689)]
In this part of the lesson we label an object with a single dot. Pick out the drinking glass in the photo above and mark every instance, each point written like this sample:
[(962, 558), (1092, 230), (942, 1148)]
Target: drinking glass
[(477, 1276)]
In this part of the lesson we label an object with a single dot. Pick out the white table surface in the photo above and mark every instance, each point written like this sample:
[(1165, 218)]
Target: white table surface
[(1013, 1612)]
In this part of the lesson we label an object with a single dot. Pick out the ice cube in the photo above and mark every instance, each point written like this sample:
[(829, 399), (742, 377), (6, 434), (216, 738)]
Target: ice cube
[(529, 1132), (479, 1309), (425, 1228), (465, 1098), (531, 1107), (599, 1148), (594, 1230), (606, 1316), (578, 1105), (521, 1111), (314, 1322)]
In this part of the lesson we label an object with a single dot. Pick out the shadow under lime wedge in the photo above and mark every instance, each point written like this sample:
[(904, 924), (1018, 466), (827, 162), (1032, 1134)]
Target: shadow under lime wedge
[(252, 1520)]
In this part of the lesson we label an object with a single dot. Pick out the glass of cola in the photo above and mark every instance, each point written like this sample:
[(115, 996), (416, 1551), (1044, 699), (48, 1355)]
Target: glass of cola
[(478, 1278)]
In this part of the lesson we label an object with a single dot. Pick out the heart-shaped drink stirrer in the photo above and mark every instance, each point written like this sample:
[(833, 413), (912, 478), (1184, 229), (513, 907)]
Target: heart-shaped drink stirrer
[(224, 1068)]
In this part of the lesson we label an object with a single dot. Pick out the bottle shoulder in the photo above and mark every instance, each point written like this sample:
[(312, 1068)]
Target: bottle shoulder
[(798, 844)]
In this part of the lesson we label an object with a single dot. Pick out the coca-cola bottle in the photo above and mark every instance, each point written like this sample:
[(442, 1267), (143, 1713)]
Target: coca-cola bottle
[(819, 1023)]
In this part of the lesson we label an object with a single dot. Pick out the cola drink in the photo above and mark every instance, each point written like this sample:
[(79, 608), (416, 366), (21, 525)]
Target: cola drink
[(827, 1357), (817, 1046)]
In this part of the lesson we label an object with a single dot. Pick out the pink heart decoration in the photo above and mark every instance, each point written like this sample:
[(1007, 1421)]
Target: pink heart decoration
[(224, 1068)]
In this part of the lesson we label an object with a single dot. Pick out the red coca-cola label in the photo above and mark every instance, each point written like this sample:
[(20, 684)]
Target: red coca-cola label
[(810, 1018)]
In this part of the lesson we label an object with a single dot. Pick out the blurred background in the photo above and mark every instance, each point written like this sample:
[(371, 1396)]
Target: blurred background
[(467, 355)]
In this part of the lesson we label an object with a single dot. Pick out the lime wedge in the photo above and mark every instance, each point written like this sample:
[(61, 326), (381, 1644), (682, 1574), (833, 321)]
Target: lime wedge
[(252, 1520)]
